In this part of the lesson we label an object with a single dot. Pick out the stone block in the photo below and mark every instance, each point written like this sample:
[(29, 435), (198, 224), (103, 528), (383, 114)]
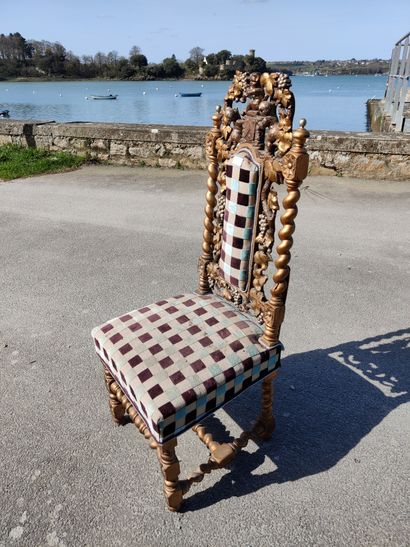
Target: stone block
[(118, 148), (79, 144), (99, 145), (167, 162), (141, 151), (44, 142), (99, 156), (160, 150), (61, 142)]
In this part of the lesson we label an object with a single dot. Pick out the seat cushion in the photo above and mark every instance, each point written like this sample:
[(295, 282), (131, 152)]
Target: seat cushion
[(180, 359)]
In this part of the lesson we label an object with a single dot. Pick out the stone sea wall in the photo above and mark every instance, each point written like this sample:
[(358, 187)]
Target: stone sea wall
[(366, 155)]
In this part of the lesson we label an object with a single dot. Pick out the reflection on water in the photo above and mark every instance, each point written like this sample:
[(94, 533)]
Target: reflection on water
[(336, 102)]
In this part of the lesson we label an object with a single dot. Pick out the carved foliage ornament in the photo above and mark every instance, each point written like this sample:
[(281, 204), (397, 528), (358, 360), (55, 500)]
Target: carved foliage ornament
[(264, 125), (266, 121)]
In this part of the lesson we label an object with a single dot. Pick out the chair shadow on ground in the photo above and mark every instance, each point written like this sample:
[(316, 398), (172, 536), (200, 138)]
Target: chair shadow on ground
[(327, 401)]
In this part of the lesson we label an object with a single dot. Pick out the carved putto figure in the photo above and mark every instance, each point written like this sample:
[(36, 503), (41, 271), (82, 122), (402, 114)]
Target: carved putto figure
[(266, 121)]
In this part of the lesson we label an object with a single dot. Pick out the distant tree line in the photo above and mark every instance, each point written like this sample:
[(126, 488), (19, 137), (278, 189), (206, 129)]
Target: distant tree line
[(22, 58), (324, 67)]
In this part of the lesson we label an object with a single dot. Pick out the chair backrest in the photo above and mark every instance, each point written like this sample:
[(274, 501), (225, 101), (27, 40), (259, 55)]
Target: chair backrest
[(249, 153)]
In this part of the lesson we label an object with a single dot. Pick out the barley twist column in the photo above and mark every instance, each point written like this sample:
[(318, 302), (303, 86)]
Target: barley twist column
[(265, 423), (294, 168), (116, 407), (170, 469), (213, 170)]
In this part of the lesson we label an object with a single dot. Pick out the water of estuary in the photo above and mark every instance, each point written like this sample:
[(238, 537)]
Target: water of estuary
[(332, 103)]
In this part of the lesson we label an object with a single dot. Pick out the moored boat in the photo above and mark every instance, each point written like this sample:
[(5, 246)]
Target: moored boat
[(102, 97), (4, 114), (190, 94)]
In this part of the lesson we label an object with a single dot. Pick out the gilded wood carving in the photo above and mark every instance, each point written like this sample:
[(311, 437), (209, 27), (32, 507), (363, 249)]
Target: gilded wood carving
[(221, 454), (264, 128)]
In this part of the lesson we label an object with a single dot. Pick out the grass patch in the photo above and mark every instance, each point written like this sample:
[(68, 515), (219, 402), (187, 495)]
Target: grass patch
[(17, 161)]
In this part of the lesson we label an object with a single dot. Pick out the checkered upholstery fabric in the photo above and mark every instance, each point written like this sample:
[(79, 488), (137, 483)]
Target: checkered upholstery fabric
[(242, 176), (180, 359)]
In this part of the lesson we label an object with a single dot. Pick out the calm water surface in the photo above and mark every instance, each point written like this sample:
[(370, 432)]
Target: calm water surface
[(334, 102)]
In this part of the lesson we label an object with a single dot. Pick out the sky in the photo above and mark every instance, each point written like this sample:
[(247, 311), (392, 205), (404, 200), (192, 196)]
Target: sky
[(277, 30)]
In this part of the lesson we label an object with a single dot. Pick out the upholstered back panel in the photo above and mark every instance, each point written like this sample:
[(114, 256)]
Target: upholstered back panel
[(242, 178)]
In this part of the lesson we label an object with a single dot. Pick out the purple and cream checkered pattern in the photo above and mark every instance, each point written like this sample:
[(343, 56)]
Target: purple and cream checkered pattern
[(180, 359), (242, 177)]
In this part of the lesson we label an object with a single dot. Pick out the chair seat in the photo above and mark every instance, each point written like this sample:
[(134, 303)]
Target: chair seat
[(180, 359)]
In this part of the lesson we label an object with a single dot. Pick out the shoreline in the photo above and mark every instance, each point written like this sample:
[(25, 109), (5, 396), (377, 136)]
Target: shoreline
[(59, 80)]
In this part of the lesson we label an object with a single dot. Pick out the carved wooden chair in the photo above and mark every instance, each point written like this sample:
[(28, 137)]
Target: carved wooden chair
[(172, 363)]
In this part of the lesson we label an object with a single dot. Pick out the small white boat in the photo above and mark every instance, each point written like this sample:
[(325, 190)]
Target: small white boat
[(102, 97)]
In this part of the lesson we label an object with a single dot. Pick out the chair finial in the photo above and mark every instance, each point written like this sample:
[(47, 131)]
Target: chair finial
[(300, 134), (216, 118)]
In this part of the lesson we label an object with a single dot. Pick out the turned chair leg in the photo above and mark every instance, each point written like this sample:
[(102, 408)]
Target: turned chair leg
[(221, 454), (265, 424), (170, 469), (116, 407)]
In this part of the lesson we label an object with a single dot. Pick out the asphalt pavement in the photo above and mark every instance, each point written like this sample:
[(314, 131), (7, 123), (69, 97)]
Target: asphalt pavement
[(81, 247)]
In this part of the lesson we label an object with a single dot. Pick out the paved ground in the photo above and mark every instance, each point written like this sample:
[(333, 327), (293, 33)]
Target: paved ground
[(81, 247)]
